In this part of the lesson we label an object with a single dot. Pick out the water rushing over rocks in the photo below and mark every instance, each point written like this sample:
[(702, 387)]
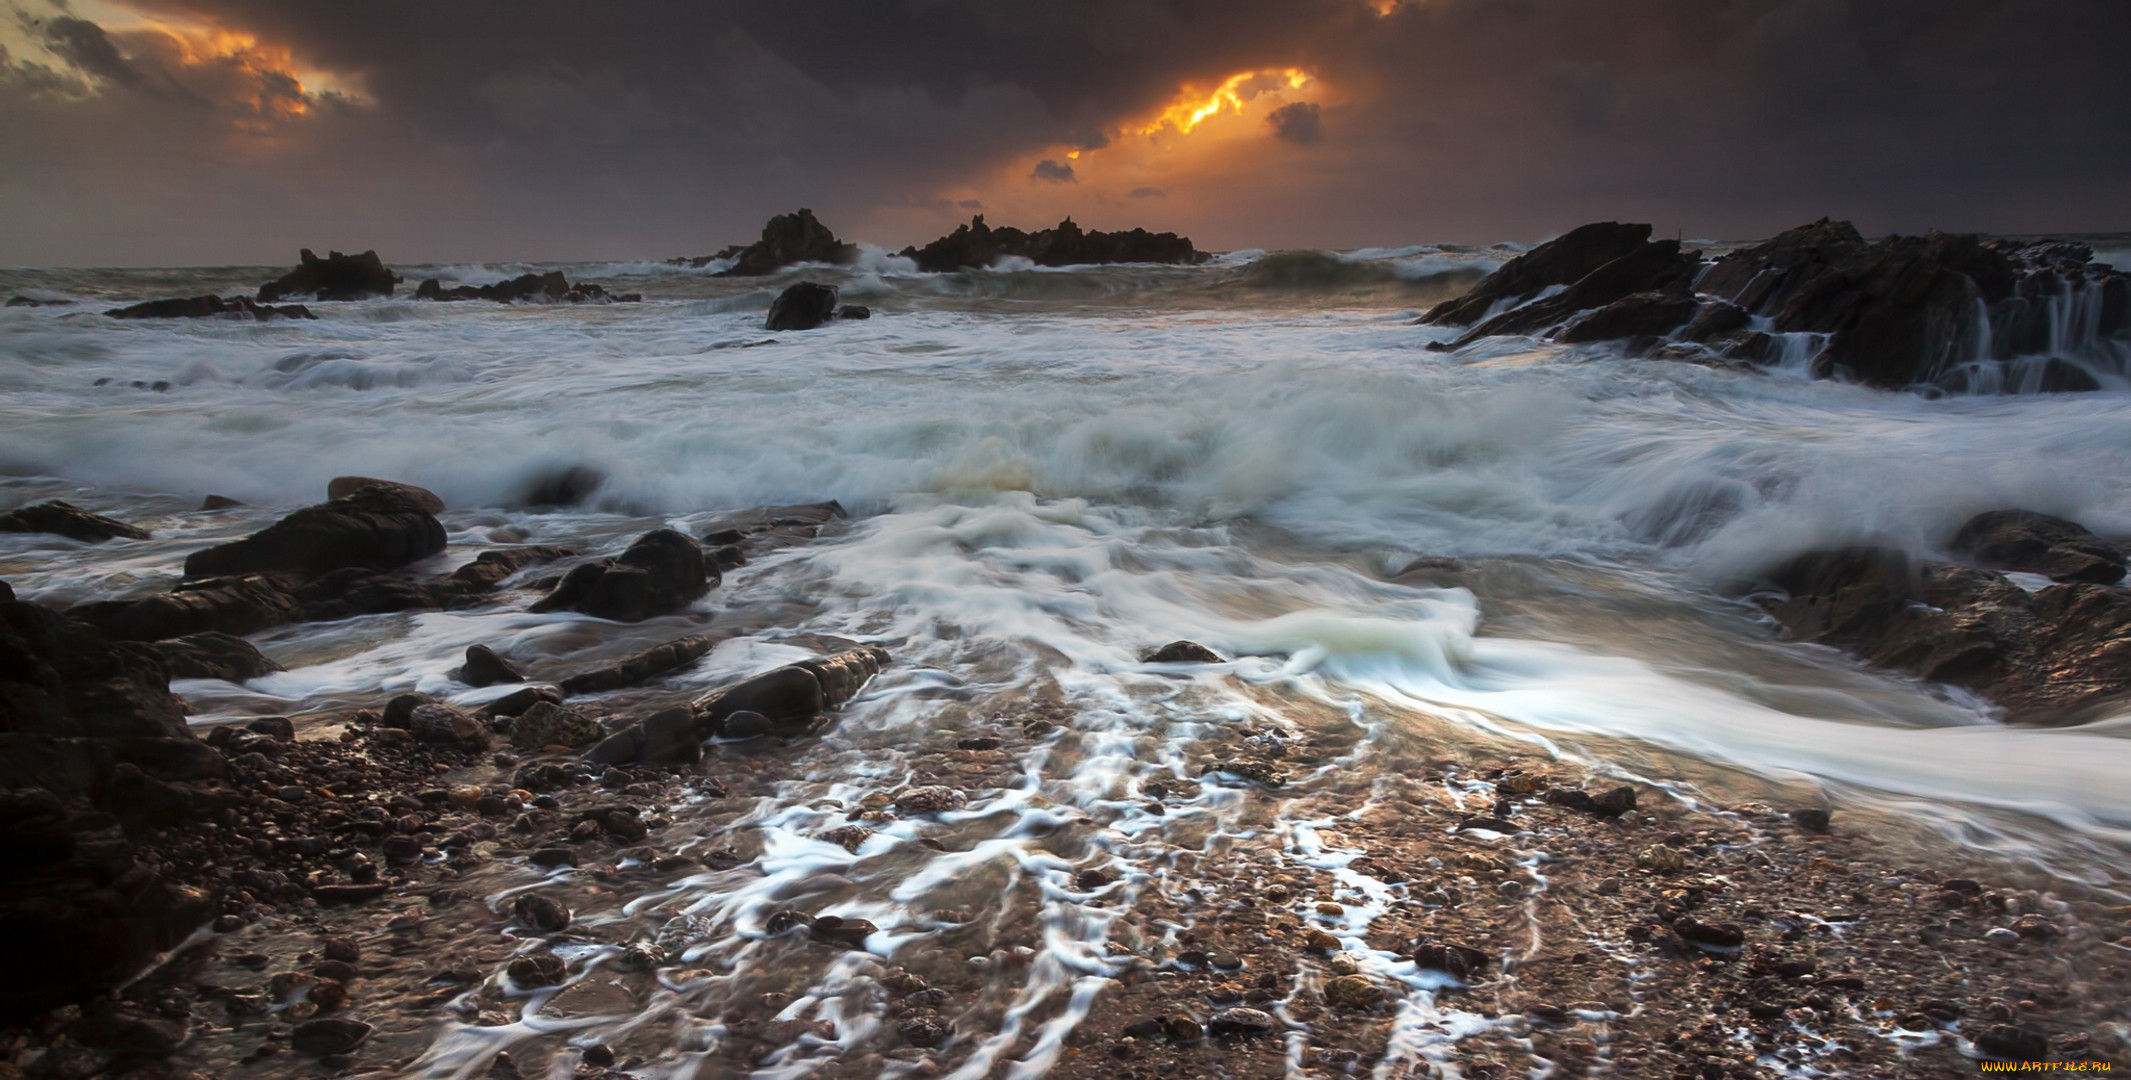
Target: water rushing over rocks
[(1194, 676)]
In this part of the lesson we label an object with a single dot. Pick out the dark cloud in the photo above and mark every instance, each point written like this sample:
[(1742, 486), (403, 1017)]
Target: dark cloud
[(552, 128), (1297, 123), (85, 45), (1054, 172)]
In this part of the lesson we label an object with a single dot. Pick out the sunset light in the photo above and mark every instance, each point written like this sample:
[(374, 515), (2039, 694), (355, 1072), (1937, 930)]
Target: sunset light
[(1233, 93)]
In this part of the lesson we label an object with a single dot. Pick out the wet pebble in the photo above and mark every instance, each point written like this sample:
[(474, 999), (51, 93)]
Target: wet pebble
[(925, 1032), (1354, 992), (324, 1038), (1239, 1023), (539, 969), (930, 799), (2003, 937), (543, 913)]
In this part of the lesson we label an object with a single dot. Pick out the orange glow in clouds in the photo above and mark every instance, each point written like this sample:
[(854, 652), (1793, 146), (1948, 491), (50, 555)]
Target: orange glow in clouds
[(1230, 96)]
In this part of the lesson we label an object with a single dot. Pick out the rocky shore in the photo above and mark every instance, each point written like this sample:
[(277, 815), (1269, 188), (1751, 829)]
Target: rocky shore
[(593, 876)]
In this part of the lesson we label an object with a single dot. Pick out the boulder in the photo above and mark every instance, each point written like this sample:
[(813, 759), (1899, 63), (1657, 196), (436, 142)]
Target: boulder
[(201, 307), (61, 518), (340, 487), (214, 655), (978, 245), (802, 306), (335, 277), (377, 528), (787, 240), (662, 573), (245, 604), (1643, 314), (484, 668), (447, 726), (1183, 652), (2033, 543), (854, 311), (1562, 261), (2058, 656), (547, 724)]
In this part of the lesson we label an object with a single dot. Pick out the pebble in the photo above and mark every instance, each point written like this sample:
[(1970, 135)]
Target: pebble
[(543, 913), (1354, 992), (2002, 937), (1239, 1023)]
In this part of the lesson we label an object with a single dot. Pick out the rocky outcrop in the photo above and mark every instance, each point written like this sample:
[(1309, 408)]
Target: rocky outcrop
[(787, 240), (214, 655), (61, 518), (375, 528), (2056, 656), (1559, 262), (94, 753), (802, 306), (662, 573), (335, 277), (977, 245), (549, 288), (1953, 311), (786, 701), (201, 307), (2032, 543)]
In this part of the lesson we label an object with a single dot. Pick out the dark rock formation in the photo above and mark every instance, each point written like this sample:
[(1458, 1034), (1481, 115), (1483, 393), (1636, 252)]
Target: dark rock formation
[(641, 668), (787, 240), (1183, 652), (1562, 261), (214, 655), (854, 311), (200, 307), (978, 245), (567, 486), (1899, 311), (802, 306), (768, 528), (2052, 657), (376, 528), (785, 701), (549, 288), (94, 753), (1760, 277), (340, 487), (335, 277), (31, 301), (1656, 267), (663, 572), (61, 518), (2033, 543), (484, 668), (1643, 314)]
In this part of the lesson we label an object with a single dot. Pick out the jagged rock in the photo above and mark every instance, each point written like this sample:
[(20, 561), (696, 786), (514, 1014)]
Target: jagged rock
[(214, 655), (546, 724), (1715, 320), (2033, 543), (642, 667), (340, 487), (549, 288), (2052, 657), (787, 240), (1899, 311), (517, 702), (61, 518), (978, 245), (490, 567), (435, 723), (201, 307), (484, 668), (1562, 261), (335, 277), (1643, 314), (1659, 266), (802, 306), (377, 528), (663, 572), (1760, 277)]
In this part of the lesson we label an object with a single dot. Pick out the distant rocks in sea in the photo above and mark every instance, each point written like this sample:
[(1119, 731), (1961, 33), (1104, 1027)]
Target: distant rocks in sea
[(787, 240), (978, 245), (203, 307), (335, 277), (2055, 654), (1940, 311), (549, 288), (61, 518)]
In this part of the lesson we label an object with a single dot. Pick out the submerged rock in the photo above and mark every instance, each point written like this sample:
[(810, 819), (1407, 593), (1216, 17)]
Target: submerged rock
[(335, 277), (215, 655), (202, 307), (641, 668), (2033, 543), (784, 701), (61, 518)]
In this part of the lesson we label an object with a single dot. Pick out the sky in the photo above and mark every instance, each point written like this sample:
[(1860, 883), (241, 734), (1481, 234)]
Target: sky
[(217, 132)]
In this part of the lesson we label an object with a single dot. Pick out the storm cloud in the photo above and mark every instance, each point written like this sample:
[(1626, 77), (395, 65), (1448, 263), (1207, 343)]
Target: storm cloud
[(543, 130)]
